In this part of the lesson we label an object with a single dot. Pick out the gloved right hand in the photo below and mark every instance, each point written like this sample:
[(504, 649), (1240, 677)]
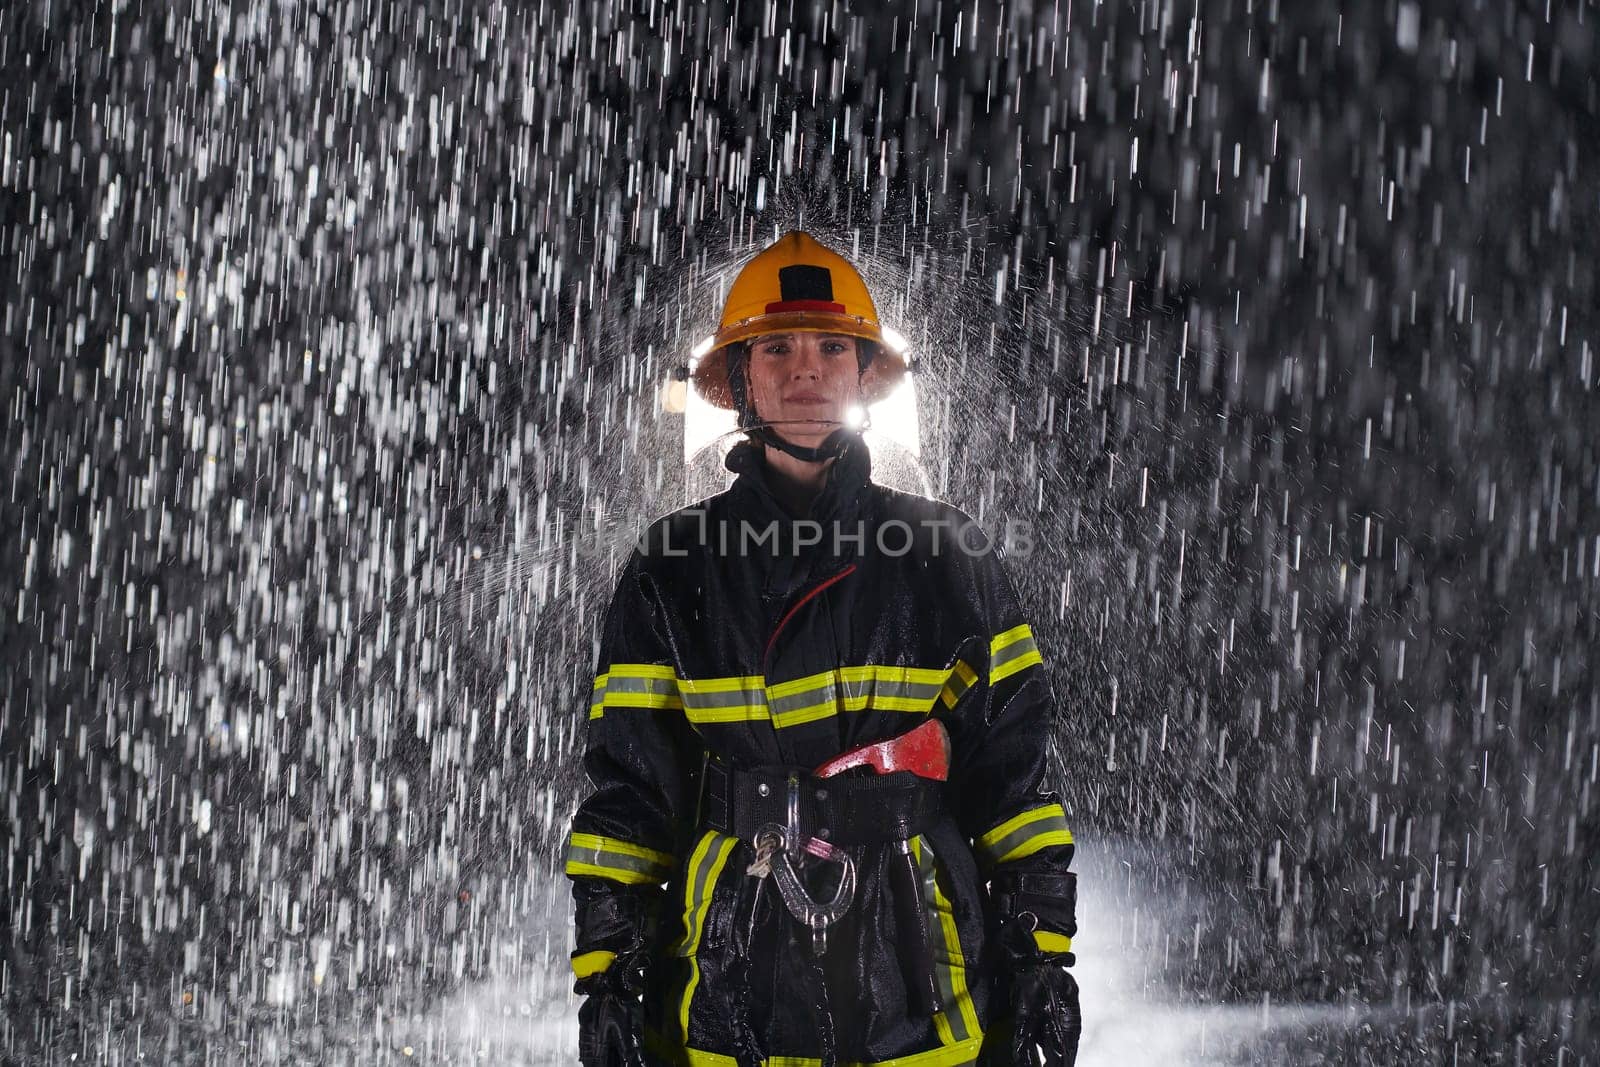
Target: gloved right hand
[(611, 1020)]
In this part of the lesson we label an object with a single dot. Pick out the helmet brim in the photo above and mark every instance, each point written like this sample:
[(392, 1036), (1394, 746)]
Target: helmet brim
[(710, 374), (798, 321)]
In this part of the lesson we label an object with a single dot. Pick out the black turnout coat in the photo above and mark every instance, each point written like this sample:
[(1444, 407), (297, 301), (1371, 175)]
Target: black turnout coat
[(784, 655)]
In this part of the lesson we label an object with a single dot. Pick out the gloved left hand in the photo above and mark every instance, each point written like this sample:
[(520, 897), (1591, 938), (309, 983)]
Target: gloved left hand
[(1046, 1018), (611, 1020)]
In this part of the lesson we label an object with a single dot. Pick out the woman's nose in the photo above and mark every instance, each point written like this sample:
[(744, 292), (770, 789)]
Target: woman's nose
[(807, 364)]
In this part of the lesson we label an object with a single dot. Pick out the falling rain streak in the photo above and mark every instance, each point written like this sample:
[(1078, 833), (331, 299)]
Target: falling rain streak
[(333, 340)]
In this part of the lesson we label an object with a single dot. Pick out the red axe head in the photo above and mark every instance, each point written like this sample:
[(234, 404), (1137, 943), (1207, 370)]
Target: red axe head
[(923, 751)]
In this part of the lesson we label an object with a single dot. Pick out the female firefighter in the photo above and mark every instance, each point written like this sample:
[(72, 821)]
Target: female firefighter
[(819, 829)]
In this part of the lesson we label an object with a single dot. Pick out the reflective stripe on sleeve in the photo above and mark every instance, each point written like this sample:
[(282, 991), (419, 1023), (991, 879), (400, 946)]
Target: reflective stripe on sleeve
[(635, 685), (589, 963), (962, 678), (1011, 652), (1049, 942), (619, 861), (1024, 834)]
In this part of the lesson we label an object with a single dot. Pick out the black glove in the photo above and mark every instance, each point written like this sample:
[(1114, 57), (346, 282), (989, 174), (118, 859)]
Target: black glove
[(1045, 1021), (1046, 1014), (611, 1020)]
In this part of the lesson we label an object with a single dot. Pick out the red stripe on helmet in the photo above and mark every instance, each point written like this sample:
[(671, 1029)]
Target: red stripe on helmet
[(804, 305)]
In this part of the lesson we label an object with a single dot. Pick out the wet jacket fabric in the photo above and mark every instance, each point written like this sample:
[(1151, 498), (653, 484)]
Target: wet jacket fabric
[(783, 655)]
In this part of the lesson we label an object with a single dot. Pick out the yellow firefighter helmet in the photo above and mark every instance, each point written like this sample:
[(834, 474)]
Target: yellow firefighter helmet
[(798, 285)]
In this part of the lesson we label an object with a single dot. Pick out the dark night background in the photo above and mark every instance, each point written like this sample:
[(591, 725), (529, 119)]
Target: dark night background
[(328, 329)]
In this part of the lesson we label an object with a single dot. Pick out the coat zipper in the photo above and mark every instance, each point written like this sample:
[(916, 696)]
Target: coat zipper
[(819, 587)]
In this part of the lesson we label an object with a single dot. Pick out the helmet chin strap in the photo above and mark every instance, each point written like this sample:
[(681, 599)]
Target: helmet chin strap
[(832, 446), (759, 430)]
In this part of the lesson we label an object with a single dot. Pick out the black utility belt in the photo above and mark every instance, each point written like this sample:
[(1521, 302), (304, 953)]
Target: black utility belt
[(854, 810)]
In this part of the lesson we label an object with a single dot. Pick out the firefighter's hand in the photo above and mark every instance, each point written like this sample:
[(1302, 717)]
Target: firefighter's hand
[(1047, 1019), (608, 1031), (611, 1020)]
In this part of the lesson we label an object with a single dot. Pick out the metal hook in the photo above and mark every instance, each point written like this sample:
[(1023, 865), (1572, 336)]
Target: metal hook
[(777, 847)]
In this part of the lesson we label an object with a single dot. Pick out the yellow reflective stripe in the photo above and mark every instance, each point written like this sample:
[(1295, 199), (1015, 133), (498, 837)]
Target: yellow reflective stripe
[(1049, 942), (710, 856), (661, 671), (1035, 843), (614, 874), (1012, 651), (1007, 638), (962, 678), (892, 688), (822, 709), (618, 861), (748, 698), (880, 687), (885, 672), (958, 970), (1017, 822), (588, 963), (960, 1054), (802, 700), (626, 848), (635, 685), (717, 700), (958, 1022), (1026, 833), (1006, 670)]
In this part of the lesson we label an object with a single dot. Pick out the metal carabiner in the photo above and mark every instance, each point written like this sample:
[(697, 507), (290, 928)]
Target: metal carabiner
[(791, 832), (815, 915)]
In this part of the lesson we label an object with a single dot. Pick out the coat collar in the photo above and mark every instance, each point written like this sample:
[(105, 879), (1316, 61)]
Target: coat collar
[(847, 476)]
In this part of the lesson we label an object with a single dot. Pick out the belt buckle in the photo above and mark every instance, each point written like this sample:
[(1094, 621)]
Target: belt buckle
[(780, 845)]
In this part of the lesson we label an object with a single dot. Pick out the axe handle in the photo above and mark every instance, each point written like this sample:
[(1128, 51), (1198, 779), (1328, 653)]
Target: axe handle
[(922, 989)]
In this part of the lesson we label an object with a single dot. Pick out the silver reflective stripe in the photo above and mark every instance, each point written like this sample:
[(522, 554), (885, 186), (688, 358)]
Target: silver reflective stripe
[(892, 694), (705, 866), (958, 1022), (1024, 834), (724, 699), (619, 861), (817, 701), (663, 688), (962, 678), (1012, 651), (634, 685)]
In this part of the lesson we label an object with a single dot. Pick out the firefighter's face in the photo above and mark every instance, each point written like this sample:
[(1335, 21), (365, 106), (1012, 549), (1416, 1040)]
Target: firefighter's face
[(800, 376)]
